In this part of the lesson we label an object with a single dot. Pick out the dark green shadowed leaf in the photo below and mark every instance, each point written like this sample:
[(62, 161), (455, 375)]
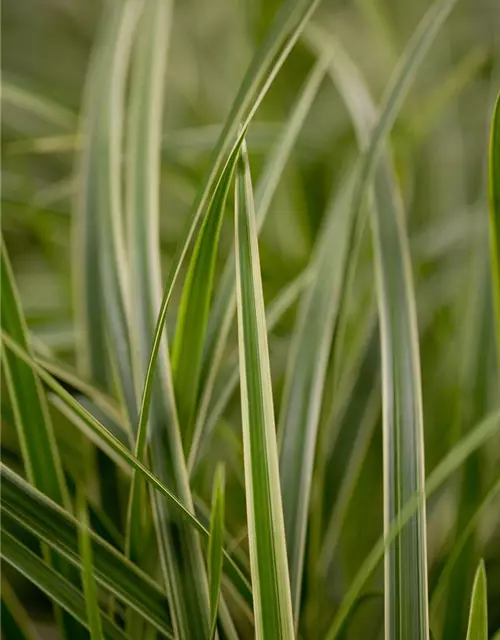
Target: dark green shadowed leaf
[(224, 307), (478, 615), (268, 561), (62, 592), (14, 619), (494, 196), (89, 585), (215, 547)]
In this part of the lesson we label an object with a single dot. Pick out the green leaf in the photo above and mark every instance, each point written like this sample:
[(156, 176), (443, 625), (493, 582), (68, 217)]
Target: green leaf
[(192, 317), (103, 302), (58, 589), (89, 585), (215, 547), (30, 509), (224, 307), (478, 615), (82, 419), (15, 621), (406, 565), (476, 438), (305, 379), (36, 435), (180, 554), (229, 381), (271, 586), (264, 67), (494, 198), (34, 428)]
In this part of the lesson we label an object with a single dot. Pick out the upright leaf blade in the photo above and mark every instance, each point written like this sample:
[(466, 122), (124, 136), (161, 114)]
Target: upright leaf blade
[(406, 606), (268, 561), (89, 585), (478, 616), (215, 547), (268, 60)]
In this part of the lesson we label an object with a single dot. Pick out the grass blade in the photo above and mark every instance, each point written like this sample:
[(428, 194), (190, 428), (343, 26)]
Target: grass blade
[(215, 547), (268, 60), (35, 431), (187, 350), (89, 585), (30, 510), (478, 616), (494, 197), (180, 554), (52, 583), (271, 587), (287, 297), (476, 438), (224, 307), (106, 441), (305, 380), (406, 608)]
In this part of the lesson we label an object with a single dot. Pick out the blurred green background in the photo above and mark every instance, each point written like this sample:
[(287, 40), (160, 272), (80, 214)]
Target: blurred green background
[(440, 144)]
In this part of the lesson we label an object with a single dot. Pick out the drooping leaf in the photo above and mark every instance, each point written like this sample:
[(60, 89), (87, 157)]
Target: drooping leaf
[(270, 581)]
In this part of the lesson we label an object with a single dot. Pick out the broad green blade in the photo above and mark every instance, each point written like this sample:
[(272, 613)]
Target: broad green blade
[(476, 438), (53, 584), (229, 381), (406, 608), (224, 307), (494, 196), (268, 60), (85, 421), (14, 619), (180, 554), (40, 456), (215, 547), (31, 510), (89, 586), (268, 561), (187, 350), (478, 615), (305, 379)]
